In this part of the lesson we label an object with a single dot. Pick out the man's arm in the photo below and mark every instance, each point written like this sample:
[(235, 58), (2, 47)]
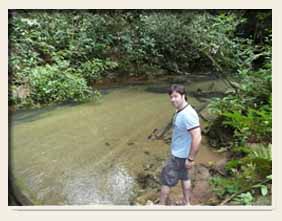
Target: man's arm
[(196, 140)]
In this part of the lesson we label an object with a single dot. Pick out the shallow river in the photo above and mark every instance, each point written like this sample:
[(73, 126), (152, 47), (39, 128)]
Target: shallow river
[(90, 153)]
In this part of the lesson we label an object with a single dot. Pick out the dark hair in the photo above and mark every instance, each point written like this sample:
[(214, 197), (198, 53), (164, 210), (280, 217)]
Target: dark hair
[(179, 89)]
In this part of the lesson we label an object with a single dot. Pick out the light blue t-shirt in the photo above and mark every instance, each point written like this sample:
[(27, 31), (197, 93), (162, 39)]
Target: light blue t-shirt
[(183, 121)]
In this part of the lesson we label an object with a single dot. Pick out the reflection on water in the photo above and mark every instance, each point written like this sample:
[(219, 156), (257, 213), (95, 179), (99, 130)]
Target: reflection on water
[(113, 188)]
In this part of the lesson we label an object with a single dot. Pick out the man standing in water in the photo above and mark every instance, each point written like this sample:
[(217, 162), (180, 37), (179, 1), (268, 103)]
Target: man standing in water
[(186, 138)]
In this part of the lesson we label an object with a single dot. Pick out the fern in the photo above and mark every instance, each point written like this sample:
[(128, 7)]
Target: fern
[(261, 151)]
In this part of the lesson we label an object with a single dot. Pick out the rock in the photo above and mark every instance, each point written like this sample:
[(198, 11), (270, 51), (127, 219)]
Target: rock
[(130, 143), (149, 203), (146, 152), (148, 166), (199, 172), (201, 189), (21, 92), (147, 197), (201, 192), (205, 114), (186, 73), (219, 166), (147, 180)]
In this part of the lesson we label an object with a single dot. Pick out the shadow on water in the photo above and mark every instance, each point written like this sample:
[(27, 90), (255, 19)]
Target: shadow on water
[(195, 90), (29, 115), (162, 89)]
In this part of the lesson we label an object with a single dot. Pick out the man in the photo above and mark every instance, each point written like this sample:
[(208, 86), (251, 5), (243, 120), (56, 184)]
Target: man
[(186, 138)]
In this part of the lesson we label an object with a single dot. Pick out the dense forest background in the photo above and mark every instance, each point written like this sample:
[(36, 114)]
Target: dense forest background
[(58, 56)]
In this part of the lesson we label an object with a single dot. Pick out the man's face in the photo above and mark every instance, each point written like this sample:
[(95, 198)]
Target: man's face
[(177, 99)]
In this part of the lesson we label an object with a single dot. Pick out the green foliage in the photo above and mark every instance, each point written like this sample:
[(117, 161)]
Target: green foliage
[(56, 83), (248, 112), (232, 166), (93, 69), (136, 41), (246, 172), (263, 189), (225, 105), (179, 41), (249, 173), (247, 107), (263, 167), (256, 124), (223, 186), (244, 198), (244, 184), (252, 162), (249, 197), (214, 37), (166, 39), (59, 54), (261, 151)]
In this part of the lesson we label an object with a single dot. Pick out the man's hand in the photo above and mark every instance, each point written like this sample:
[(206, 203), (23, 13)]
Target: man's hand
[(189, 164)]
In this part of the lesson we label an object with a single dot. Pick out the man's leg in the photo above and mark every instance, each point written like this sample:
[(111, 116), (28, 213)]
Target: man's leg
[(186, 188), (164, 194)]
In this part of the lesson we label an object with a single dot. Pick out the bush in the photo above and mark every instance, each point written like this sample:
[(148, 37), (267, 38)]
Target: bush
[(223, 186), (246, 172), (54, 84), (93, 70), (248, 111)]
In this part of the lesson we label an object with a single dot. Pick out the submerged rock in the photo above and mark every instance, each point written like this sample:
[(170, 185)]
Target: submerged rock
[(151, 197), (201, 190)]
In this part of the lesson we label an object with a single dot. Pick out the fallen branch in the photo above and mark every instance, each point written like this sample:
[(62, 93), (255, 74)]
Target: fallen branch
[(201, 116), (218, 171), (222, 77), (159, 134), (200, 109)]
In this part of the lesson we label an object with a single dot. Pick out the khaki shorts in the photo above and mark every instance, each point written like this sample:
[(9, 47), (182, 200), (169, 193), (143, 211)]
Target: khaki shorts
[(173, 171)]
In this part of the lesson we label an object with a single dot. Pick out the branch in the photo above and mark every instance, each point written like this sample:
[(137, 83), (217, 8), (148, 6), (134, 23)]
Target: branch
[(225, 80)]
